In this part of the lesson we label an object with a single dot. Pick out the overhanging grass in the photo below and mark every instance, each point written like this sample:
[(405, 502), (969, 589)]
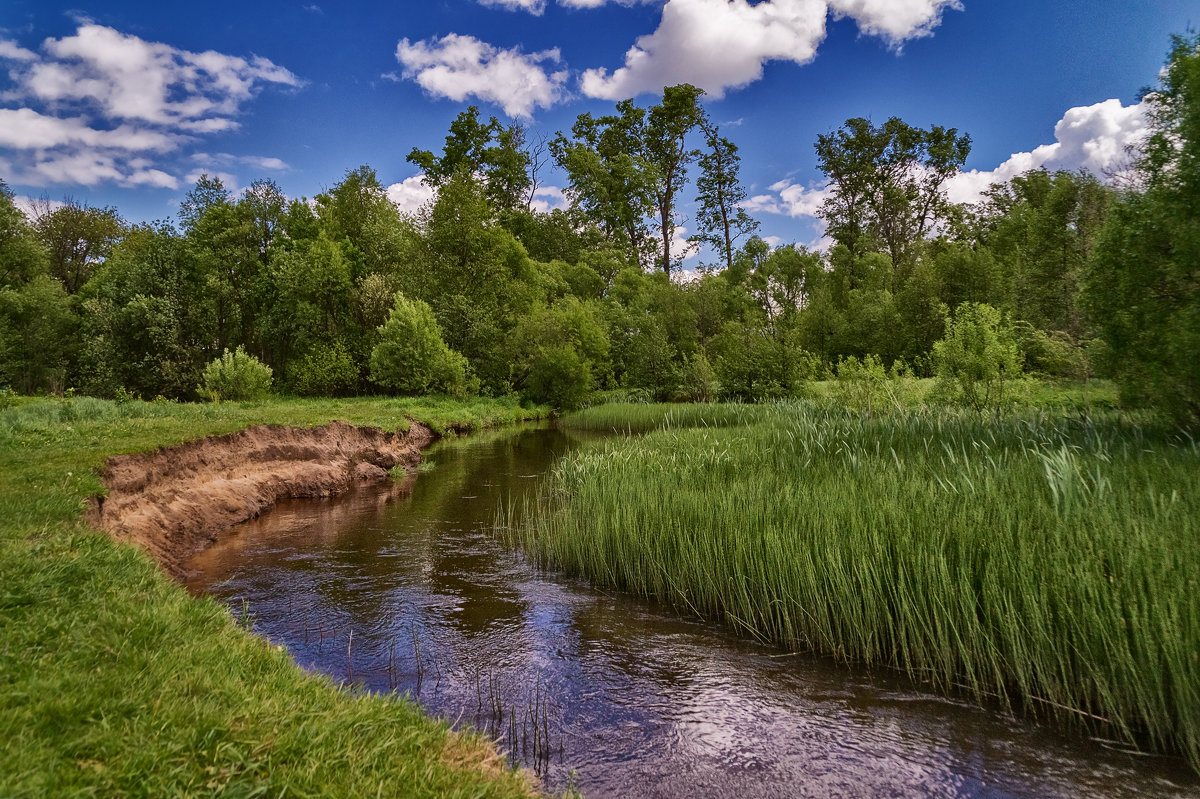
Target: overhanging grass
[(114, 681), (1036, 558)]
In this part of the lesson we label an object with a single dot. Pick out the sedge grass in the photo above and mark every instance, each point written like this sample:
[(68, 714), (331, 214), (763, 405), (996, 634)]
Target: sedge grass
[(113, 681), (1049, 561)]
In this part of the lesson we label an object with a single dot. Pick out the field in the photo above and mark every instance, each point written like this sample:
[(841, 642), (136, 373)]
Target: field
[(1047, 560), (113, 681)]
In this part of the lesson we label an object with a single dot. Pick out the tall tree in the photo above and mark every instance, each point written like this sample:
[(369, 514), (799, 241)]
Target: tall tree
[(721, 221), (1142, 287), (22, 256), (668, 155), (77, 239), (609, 182), (494, 153), (886, 184)]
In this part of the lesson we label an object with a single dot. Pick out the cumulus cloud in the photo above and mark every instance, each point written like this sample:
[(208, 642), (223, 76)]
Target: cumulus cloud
[(894, 20), (789, 199), (411, 194), (458, 67), (1094, 138), (548, 198), (723, 44), (101, 106)]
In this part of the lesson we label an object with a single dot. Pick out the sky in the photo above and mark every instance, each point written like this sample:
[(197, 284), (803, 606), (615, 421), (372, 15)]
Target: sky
[(126, 103)]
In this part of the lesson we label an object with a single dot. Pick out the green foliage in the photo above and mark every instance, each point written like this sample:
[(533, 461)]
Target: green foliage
[(327, 370), (77, 239), (411, 356), (37, 336), (998, 557), (886, 183), (560, 354), (978, 358), (22, 257), (1141, 289), (235, 377)]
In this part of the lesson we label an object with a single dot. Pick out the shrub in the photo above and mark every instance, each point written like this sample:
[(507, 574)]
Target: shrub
[(411, 356), (327, 370), (977, 357), (236, 376)]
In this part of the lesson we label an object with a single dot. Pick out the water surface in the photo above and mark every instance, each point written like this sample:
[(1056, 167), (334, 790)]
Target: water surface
[(406, 588)]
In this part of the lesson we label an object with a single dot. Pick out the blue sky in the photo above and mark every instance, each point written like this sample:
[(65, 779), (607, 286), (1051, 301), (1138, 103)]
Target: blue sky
[(125, 103)]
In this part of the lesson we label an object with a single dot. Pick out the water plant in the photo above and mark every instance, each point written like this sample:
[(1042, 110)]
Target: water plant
[(1045, 560)]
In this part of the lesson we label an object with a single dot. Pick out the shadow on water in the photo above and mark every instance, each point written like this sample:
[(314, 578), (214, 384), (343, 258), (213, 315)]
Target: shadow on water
[(404, 588)]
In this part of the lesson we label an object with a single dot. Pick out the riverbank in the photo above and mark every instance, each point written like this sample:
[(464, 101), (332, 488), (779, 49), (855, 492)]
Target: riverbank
[(114, 681)]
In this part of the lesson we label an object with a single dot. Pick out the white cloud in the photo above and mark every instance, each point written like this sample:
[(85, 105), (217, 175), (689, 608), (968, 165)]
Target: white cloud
[(535, 7), (894, 20), (548, 198), (723, 44), (458, 67), (26, 129), (130, 78), (789, 199), (227, 160), (103, 106), (12, 51), (411, 194), (1094, 138)]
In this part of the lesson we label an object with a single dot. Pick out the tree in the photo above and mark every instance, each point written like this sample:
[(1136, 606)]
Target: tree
[(411, 356), (885, 184), (609, 180), (77, 239), (1142, 286), (22, 256), (720, 220), (667, 131), (495, 153), (1040, 228)]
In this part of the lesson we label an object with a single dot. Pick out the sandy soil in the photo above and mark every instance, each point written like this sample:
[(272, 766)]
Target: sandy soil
[(175, 501)]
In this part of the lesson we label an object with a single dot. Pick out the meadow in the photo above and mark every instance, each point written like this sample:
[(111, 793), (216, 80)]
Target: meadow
[(1045, 560), (114, 681)]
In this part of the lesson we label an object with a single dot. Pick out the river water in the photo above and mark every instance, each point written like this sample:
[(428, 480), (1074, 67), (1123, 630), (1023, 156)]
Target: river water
[(406, 588)]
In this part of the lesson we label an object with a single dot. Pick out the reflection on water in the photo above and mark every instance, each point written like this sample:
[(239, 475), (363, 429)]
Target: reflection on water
[(405, 588)]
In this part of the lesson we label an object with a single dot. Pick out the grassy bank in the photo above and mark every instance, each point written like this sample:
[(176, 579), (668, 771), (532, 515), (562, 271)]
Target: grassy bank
[(113, 681), (1047, 560)]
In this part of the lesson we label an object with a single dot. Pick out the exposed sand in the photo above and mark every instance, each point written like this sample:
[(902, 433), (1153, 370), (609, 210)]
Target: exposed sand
[(175, 501)]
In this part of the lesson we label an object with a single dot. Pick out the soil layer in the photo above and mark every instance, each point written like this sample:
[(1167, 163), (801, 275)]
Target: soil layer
[(175, 501)]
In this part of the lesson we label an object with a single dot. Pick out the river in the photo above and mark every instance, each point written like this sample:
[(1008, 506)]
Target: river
[(406, 588)]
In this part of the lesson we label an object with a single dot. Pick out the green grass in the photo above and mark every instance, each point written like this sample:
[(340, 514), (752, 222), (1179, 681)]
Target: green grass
[(113, 681), (1047, 560)]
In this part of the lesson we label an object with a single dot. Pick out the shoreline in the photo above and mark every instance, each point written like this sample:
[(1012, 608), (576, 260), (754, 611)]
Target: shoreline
[(175, 501)]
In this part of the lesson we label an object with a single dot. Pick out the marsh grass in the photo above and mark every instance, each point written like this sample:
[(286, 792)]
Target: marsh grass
[(113, 681), (1047, 561)]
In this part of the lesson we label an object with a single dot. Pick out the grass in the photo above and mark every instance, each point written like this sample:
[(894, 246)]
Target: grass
[(1047, 560), (113, 681)]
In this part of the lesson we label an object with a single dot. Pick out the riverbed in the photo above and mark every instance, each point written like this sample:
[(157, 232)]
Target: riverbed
[(408, 588)]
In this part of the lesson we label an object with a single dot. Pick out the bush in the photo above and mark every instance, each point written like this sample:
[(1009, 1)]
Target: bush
[(978, 357), (236, 376), (411, 356), (327, 370)]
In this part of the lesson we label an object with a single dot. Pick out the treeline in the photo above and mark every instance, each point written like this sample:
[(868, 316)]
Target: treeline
[(478, 292)]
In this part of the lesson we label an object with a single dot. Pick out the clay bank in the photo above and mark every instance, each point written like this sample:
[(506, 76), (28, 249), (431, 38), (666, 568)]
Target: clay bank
[(175, 501)]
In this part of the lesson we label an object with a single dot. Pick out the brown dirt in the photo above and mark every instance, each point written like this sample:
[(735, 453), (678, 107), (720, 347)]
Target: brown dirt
[(175, 501)]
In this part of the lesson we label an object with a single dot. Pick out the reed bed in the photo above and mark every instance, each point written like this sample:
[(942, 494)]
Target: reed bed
[(1047, 561)]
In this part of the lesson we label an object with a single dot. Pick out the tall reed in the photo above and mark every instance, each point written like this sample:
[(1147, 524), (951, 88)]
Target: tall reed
[(1048, 561)]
